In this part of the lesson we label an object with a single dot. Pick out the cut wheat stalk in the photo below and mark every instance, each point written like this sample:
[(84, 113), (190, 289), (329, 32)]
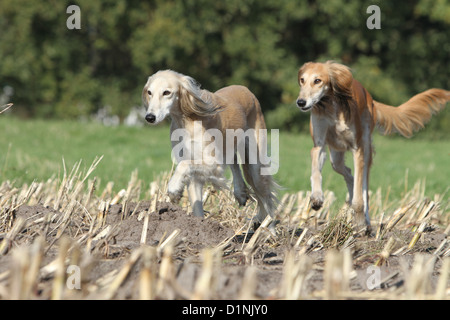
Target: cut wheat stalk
[(63, 223), (102, 234), (145, 229), (58, 281), (417, 282), (441, 248), (442, 285), (151, 209), (300, 238), (92, 187), (147, 278), (25, 194), (396, 217), (204, 286), (446, 253), (31, 277), (417, 234), (290, 204), (224, 244), (380, 226), (108, 191), (118, 196), (111, 290), (66, 185), (249, 284), (447, 230), (249, 225), (9, 238), (295, 274), (19, 269), (386, 252), (257, 237), (426, 211), (166, 273), (133, 185), (169, 241), (402, 250), (337, 273)]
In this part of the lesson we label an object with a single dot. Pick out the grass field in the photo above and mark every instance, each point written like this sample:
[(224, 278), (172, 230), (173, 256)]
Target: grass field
[(35, 149)]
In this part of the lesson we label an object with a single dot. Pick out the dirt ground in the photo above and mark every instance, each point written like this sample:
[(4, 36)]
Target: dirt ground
[(262, 273)]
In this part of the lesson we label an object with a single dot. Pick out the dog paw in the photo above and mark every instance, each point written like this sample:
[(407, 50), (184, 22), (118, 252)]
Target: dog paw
[(241, 198), (360, 225), (316, 201), (270, 227), (174, 196)]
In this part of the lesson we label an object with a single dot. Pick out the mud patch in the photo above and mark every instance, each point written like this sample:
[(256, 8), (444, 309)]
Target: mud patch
[(196, 233)]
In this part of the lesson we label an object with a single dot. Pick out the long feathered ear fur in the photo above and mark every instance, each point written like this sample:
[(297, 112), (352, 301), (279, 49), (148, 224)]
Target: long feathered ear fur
[(341, 80), (194, 100)]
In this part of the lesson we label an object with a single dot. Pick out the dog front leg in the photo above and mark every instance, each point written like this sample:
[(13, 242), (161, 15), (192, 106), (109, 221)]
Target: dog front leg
[(318, 156), (178, 181)]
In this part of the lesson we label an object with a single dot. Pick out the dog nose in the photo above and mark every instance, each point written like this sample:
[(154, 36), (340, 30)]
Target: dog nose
[(150, 117), (301, 102)]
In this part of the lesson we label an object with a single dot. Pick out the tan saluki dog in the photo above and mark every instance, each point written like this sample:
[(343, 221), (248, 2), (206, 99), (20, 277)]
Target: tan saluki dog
[(343, 116), (194, 113)]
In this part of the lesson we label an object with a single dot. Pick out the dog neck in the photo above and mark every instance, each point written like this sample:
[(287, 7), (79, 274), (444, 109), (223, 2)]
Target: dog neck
[(331, 106)]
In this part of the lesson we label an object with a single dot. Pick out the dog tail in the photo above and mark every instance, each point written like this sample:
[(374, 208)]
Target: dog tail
[(265, 190), (412, 115)]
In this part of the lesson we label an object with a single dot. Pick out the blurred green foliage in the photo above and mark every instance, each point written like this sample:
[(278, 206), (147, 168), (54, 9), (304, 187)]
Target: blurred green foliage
[(57, 72)]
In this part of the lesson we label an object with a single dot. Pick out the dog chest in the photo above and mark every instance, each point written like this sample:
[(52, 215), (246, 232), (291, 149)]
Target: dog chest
[(341, 136)]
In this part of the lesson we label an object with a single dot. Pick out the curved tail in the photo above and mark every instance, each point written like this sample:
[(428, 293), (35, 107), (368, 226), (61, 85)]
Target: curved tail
[(412, 115)]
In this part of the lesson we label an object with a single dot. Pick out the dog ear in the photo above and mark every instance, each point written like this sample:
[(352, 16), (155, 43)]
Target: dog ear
[(193, 101), (341, 79), (185, 96)]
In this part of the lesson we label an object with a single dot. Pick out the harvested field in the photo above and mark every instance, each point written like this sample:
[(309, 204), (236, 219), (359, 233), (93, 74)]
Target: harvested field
[(64, 239)]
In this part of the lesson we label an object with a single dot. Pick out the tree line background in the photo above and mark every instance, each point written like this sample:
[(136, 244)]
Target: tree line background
[(47, 70)]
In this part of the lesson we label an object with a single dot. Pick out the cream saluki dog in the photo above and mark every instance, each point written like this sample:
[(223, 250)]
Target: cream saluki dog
[(194, 113), (343, 116)]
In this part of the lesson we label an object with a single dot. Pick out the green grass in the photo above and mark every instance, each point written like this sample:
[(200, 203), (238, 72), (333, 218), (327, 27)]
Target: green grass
[(394, 159), (34, 149)]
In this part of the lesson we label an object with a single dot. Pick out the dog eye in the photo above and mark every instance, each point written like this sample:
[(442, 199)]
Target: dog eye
[(149, 92), (302, 80), (166, 93), (317, 81)]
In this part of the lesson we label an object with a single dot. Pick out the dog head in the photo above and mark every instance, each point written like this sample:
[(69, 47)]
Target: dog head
[(320, 80), (160, 95), (169, 92)]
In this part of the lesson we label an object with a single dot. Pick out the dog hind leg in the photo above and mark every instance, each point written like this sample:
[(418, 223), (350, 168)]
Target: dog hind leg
[(337, 159), (240, 188), (195, 193), (360, 192)]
